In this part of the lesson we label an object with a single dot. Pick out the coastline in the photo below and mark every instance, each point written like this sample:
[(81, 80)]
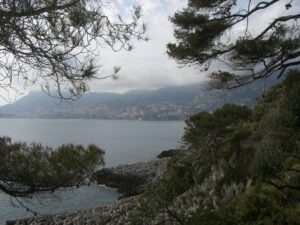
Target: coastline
[(142, 173), (132, 179)]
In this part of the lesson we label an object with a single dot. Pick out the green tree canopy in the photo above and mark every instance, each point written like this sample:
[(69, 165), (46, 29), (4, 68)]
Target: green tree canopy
[(54, 42), (30, 169), (256, 149), (204, 31)]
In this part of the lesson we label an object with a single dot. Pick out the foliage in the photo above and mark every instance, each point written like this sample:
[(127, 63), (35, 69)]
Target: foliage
[(54, 42), (260, 145), (157, 202), (213, 125), (277, 158), (186, 170), (225, 33), (129, 185), (259, 205), (29, 169)]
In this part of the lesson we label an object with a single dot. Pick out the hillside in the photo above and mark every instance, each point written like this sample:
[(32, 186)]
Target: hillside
[(240, 166), (169, 103)]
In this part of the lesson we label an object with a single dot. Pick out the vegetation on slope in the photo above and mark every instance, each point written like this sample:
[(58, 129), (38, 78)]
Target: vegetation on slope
[(242, 166)]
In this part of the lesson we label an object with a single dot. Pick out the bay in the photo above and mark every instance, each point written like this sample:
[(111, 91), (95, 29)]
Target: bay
[(124, 142)]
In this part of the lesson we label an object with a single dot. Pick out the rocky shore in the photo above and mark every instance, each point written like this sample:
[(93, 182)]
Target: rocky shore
[(204, 195), (130, 180), (114, 214)]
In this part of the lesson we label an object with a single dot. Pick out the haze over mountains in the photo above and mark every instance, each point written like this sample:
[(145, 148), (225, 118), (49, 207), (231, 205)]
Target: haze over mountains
[(169, 103)]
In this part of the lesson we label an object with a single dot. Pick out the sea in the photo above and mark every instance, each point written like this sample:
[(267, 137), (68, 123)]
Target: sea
[(124, 142)]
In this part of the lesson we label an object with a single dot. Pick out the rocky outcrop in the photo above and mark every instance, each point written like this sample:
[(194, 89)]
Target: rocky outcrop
[(169, 153), (135, 178), (131, 179)]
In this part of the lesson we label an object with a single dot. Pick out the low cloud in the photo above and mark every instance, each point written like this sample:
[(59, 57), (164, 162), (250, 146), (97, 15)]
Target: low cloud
[(148, 65)]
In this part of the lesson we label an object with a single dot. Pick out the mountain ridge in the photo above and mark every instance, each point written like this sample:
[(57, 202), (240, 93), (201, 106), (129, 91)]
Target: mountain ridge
[(168, 103)]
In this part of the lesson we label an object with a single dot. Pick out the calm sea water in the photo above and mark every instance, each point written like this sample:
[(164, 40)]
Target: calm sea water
[(124, 142)]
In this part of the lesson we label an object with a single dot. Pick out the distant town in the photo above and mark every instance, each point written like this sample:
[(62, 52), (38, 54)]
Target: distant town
[(170, 103)]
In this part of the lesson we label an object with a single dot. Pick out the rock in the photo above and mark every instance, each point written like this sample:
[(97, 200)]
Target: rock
[(113, 214), (169, 153), (131, 179), (127, 185)]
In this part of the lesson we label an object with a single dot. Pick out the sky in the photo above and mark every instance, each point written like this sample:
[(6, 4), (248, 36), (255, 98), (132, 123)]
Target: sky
[(148, 66)]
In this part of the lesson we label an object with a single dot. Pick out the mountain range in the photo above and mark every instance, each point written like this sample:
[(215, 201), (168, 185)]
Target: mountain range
[(168, 103)]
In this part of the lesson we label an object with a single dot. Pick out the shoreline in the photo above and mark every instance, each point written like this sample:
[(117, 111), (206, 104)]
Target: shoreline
[(132, 179), (118, 211)]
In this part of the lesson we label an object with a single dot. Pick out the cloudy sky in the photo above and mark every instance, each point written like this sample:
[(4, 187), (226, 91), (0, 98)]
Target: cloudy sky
[(148, 65)]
